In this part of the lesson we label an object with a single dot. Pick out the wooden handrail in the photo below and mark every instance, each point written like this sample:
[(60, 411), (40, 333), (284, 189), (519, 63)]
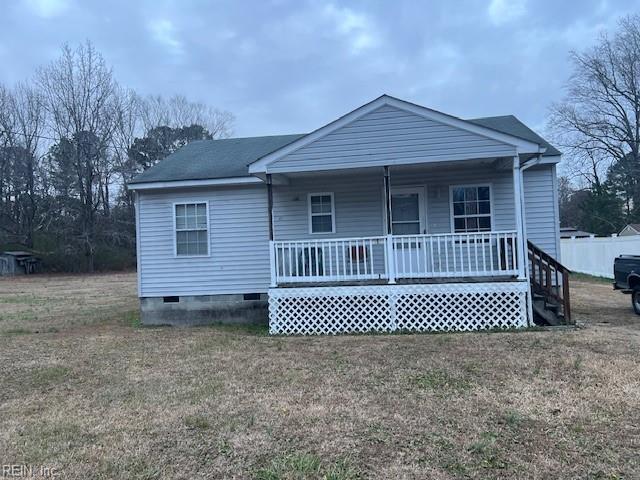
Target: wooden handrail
[(545, 273)]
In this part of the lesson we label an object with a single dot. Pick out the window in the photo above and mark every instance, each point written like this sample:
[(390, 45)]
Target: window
[(192, 229), (407, 211), (471, 208), (321, 213)]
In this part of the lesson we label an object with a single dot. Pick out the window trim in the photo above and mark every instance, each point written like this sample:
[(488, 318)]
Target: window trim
[(491, 207), (311, 215), (175, 230)]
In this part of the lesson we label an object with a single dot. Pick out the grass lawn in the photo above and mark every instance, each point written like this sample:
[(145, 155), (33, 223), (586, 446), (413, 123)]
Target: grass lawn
[(88, 391)]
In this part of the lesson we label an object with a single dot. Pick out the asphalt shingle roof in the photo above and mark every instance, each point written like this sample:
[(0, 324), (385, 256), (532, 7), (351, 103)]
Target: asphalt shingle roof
[(230, 157), (210, 159), (510, 125)]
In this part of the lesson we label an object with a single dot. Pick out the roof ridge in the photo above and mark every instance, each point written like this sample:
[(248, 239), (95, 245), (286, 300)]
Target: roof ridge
[(256, 136)]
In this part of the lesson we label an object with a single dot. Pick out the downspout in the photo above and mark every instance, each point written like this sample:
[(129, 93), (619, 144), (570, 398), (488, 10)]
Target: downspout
[(527, 274)]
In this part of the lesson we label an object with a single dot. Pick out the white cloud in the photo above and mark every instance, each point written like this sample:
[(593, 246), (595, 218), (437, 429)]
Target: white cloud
[(47, 8), (164, 32), (357, 27), (505, 11)]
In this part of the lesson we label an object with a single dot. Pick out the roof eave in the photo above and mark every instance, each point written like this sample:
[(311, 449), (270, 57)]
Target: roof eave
[(207, 182)]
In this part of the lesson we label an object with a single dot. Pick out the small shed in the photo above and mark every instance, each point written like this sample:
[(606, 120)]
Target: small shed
[(18, 263)]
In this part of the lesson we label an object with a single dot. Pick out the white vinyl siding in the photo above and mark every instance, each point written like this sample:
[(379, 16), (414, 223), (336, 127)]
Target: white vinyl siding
[(359, 207), (390, 136), (192, 229), (540, 209), (238, 260)]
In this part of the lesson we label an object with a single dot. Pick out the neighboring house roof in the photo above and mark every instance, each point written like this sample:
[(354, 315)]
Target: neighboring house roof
[(229, 158), (511, 125), (205, 159), (633, 228), (568, 232)]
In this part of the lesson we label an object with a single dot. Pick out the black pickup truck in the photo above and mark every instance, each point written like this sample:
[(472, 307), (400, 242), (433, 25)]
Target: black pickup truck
[(626, 273)]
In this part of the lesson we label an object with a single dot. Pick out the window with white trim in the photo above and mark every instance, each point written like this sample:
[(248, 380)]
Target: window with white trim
[(192, 229), (471, 208), (321, 213)]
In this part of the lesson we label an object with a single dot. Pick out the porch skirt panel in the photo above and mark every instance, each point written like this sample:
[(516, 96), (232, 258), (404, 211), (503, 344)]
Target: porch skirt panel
[(390, 308)]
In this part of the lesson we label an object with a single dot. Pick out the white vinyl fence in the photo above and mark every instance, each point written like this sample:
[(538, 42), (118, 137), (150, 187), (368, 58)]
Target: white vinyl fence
[(594, 255)]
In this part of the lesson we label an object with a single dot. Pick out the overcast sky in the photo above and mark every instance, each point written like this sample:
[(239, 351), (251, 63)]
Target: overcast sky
[(292, 66)]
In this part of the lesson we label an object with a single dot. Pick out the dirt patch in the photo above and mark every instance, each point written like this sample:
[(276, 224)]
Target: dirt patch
[(107, 400)]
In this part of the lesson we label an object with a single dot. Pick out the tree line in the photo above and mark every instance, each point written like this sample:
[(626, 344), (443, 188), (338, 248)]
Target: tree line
[(70, 140), (597, 126)]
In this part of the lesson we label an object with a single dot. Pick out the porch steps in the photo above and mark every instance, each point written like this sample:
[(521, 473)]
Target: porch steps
[(547, 312), (549, 288)]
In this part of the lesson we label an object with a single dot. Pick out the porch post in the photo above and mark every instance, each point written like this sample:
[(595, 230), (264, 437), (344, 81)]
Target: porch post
[(520, 241), (387, 192), (272, 248), (391, 261), (270, 204)]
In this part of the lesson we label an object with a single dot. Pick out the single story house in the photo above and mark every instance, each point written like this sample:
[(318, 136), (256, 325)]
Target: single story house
[(392, 217), (631, 229)]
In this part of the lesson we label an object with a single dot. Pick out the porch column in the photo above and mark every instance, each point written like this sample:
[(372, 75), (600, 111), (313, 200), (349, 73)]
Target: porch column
[(387, 193), (272, 247), (270, 204), (517, 194), (391, 261)]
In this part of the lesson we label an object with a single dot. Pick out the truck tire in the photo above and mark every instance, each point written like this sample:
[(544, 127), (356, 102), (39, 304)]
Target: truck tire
[(635, 299)]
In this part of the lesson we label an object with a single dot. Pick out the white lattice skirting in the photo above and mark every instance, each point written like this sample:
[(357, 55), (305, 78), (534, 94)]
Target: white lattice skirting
[(388, 308)]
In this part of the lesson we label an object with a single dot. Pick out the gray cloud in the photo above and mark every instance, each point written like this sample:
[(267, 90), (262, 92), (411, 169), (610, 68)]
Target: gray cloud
[(291, 66)]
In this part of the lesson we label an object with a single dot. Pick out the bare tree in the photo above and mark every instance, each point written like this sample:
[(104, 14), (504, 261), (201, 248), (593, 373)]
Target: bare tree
[(178, 111), (598, 122), (79, 91), (22, 118)]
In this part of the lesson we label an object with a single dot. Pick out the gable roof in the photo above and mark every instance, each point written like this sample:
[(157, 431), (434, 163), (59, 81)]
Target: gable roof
[(522, 145), (632, 226), (231, 158), (211, 159), (511, 125)]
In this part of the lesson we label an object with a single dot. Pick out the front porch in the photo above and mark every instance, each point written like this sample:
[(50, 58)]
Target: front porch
[(396, 217), (442, 249)]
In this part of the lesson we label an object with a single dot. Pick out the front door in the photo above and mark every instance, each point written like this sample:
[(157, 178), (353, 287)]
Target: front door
[(408, 218), (407, 211)]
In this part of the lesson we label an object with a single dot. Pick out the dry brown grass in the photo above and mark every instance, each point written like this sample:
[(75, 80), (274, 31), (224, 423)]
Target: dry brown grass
[(108, 400), (49, 303)]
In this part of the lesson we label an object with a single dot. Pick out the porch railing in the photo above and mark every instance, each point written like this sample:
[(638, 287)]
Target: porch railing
[(394, 257), (455, 255)]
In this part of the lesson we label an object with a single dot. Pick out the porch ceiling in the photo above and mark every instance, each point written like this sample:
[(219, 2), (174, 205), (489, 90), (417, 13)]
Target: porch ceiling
[(493, 163)]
